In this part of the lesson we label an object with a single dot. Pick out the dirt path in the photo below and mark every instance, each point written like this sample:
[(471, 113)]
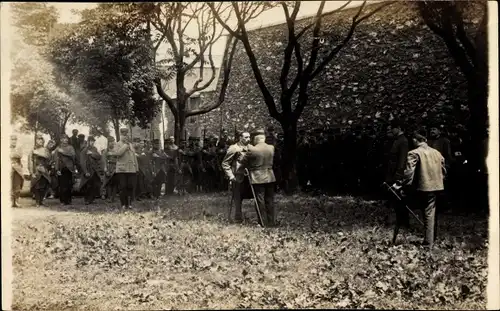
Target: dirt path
[(28, 210)]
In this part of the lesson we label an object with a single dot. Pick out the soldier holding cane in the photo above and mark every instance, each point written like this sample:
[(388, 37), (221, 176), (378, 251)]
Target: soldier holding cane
[(425, 170), (235, 172)]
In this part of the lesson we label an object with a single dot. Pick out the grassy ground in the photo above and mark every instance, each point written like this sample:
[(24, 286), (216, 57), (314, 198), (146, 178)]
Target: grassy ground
[(327, 253)]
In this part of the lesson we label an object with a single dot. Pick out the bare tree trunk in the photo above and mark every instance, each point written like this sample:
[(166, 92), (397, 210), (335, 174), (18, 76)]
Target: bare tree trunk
[(116, 125), (179, 126), (288, 123)]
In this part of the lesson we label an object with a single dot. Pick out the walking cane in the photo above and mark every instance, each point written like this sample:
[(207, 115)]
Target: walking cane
[(254, 198), (396, 228), (401, 200), (231, 200)]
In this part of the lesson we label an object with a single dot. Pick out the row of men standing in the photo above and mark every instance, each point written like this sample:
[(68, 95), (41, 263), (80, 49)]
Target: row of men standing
[(55, 167)]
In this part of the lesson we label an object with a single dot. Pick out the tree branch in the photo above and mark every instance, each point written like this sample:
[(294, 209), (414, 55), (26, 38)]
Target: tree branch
[(355, 22), (462, 36), (268, 98), (165, 97), (315, 41), (222, 23), (286, 94), (226, 63), (322, 15)]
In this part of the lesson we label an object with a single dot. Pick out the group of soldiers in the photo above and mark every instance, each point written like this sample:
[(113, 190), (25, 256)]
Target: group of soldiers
[(353, 162), (74, 165), (357, 161)]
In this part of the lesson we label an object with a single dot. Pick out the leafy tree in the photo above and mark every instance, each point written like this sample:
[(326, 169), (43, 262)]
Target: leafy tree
[(34, 21), (107, 60), (36, 98), (467, 44), (304, 58)]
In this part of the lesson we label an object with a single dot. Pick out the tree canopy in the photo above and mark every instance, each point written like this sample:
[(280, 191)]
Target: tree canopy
[(37, 100), (106, 59)]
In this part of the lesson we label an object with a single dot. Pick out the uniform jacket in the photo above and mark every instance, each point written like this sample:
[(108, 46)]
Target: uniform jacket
[(17, 167), (65, 157), (173, 152), (126, 161), (159, 161), (91, 163), (259, 162), (397, 159), (231, 163), (425, 169), (443, 145), (38, 165)]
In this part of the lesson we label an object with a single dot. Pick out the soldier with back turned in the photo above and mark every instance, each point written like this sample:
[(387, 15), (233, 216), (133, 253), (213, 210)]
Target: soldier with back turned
[(259, 162)]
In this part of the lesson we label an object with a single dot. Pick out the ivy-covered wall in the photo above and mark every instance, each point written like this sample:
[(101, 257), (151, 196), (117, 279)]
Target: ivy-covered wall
[(393, 66)]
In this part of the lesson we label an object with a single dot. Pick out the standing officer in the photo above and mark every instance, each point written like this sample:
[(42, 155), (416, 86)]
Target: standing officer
[(17, 175), (90, 160), (172, 152), (259, 162), (235, 172), (111, 181), (126, 168), (395, 169), (159, 172)]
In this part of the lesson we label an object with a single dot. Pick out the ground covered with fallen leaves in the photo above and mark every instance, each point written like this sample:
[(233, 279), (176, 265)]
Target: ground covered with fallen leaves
[(326, 253)]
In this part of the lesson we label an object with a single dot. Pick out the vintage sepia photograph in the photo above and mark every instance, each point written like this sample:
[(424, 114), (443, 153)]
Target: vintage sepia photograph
[(250, 155)]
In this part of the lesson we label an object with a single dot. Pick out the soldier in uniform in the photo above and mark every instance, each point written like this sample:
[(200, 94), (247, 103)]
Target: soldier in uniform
[(38, 166), (196, 163), (395, 169), (74, 140), (259, 162), (159, 172), (65, 159), (222, 182), (172, 152), (145, 174), (185, 170), (51, 146), (17, 175), (231, 166), (441, 144), (139, 186), (126, 168), (111, 181), (90, 161), (209, 157)]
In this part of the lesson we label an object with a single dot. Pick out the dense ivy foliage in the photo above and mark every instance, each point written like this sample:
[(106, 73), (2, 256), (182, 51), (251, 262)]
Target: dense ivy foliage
[(394, 66)]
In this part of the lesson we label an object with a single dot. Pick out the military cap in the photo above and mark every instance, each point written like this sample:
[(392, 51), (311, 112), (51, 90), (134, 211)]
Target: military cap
[(111, 139), (172, 138), (124, 131), (136, 140), (81, 135), (258, 132), (64, 136), (90, 138)]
